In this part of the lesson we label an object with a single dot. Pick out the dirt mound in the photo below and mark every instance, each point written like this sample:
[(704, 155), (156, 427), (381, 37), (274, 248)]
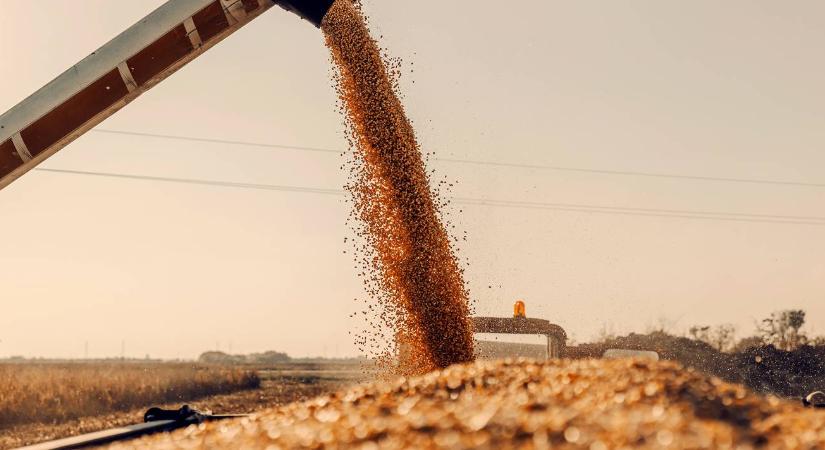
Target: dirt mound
[(765, 368), (690, 352), (595, 404), (792, 373)]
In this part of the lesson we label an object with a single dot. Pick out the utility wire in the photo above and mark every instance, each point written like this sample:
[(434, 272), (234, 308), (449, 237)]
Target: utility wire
[(479, 162), (218, 141), (266, 187), (629, 212), (648, 212), (632, 173), (525, 204)]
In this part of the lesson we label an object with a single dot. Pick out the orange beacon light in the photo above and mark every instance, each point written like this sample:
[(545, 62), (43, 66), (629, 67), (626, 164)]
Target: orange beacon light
[(519, 309)]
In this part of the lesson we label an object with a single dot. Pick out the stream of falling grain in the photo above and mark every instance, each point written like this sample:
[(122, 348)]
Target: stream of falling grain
[(417, 273)]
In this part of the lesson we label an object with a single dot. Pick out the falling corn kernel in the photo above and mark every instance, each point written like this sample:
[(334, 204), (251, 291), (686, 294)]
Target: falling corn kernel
[(418, 277)]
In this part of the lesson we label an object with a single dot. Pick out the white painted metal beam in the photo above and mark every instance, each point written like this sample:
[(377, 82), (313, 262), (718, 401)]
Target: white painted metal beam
[(92, 67), (42, 124)]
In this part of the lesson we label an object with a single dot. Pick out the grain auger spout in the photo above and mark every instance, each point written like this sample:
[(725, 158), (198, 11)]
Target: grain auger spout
[(311, 10), (118, 72)]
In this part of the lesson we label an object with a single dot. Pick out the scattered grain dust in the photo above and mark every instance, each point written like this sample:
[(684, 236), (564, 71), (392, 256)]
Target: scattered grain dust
[(595, 404), (407, 252)]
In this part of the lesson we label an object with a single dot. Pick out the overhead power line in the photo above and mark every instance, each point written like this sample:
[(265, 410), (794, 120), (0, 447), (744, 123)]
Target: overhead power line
[(266, 187), (479, 162), (525, 204), (632, 173), (597, 209), (632, 212), (219, 141)]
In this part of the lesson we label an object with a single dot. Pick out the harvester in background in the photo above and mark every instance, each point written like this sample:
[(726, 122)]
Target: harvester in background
[(519, 324)]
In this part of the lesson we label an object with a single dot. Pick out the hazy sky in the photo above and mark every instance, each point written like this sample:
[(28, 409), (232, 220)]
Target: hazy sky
[(702, 88)]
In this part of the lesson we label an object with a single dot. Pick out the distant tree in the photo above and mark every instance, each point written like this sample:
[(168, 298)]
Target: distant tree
[(215, 357), (782, 329), (700, 333), (748, 342), (269, 357), (663, 325), (722, 337), (606, 333), (818, 341)]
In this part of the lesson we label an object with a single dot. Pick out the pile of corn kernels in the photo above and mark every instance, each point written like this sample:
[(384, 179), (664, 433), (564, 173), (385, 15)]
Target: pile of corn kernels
[(592, 404)]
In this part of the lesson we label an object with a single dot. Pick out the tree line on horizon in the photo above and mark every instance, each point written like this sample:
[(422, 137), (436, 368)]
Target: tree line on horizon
[(782, 329)]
